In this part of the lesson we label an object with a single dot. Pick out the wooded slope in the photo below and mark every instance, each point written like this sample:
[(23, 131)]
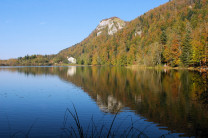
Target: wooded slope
[(175, 34)]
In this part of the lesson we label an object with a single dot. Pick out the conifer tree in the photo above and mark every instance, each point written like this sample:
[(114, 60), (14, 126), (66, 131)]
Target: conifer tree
[(186, 56), (163, 37)]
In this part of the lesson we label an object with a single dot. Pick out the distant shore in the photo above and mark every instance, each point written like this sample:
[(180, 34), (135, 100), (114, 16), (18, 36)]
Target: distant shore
[(53, 65), (200, 69)]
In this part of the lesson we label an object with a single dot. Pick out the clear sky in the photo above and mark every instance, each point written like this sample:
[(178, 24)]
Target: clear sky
[(48, 26)]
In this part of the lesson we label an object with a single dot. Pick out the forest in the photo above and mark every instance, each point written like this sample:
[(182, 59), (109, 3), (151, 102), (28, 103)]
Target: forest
[(33, 60), (174, 34)]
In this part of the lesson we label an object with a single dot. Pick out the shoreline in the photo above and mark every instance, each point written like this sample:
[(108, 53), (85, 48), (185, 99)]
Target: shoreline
[(202, 69)]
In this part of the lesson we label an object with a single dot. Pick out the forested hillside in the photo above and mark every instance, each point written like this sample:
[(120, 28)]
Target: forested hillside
[(175, 34), (33, 60)]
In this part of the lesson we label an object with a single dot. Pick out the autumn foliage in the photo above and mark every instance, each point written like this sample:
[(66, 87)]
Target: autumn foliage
[(175, 34)]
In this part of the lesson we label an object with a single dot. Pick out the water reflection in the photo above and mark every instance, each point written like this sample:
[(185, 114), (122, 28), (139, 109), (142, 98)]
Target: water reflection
[(171, 98), (71, 71), (109, 105)]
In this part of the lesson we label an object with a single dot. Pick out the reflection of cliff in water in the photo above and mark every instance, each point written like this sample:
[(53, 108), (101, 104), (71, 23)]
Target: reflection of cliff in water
[(110, 105), (175, 99)]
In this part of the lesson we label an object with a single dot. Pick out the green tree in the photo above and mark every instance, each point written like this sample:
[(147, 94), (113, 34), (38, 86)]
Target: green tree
[(186, 56), (163, 37), (198, 51)]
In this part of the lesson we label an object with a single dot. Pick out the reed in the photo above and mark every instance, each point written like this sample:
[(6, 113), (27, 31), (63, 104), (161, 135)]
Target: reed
[(95, 130)]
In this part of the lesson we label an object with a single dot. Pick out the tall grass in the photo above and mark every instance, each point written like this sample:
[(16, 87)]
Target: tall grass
[(75, 128), (20, 132)]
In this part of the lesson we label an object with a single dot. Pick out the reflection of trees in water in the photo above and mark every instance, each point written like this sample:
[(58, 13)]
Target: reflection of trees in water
[(170, 98), (200, 88), (204, 98)]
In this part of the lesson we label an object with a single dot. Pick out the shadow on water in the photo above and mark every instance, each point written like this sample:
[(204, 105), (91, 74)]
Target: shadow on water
[(175, 99), (20, 133)]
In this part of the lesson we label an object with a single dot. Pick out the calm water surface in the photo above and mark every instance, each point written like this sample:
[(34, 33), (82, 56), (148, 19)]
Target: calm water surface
[(170, 103)]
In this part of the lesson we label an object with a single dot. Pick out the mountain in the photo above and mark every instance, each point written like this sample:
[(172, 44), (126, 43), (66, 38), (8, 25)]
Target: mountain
[(106, 28), (174, 34)]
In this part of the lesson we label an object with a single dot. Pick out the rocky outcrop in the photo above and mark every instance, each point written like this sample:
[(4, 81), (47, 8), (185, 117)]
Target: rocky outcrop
[(112, 25)]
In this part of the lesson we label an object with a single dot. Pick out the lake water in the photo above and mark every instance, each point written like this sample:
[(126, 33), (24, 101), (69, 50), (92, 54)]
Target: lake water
[(35, 102)]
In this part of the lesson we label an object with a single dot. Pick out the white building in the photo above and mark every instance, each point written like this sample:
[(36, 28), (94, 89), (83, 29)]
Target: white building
[(72, 60)]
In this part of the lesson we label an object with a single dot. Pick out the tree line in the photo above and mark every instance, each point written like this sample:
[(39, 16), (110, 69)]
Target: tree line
[(174, 34)]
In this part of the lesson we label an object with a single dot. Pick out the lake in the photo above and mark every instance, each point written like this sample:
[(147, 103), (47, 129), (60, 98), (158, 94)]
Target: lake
[(109, 101)]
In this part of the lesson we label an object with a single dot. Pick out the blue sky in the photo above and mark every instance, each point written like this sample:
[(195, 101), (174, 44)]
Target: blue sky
[(48, 26)]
